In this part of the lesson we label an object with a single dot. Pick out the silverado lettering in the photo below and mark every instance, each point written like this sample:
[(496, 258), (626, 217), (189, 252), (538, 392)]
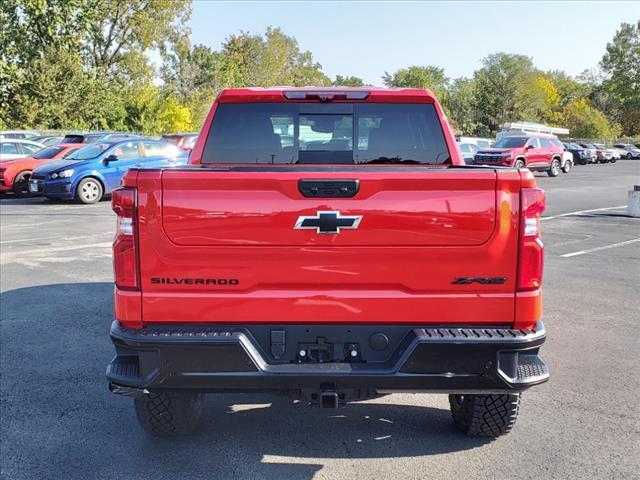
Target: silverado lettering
[(195, 281), (349, 214)]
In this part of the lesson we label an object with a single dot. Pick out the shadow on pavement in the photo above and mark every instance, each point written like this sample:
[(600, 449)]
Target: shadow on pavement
[(60, 421)]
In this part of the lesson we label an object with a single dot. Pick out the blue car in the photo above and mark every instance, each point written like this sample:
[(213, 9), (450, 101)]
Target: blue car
[(90, 173)]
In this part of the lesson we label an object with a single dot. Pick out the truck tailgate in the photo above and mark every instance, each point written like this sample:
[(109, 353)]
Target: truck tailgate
[(231, 246)]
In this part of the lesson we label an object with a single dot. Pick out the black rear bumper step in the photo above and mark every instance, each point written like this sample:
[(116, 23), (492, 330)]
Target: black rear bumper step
[(237, 358)]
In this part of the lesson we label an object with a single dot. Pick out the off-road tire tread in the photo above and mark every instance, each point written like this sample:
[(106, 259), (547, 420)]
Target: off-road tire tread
[(485, 415), (167, 415)]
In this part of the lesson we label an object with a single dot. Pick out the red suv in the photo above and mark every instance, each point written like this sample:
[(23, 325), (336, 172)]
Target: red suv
[(537, 153)]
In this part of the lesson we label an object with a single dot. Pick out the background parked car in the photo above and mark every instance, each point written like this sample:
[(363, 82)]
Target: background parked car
[(581, 155), (184, 141), (95, 170), (592, 149), (49, 140), (619, 153), (603, 153), (615, 154), (567, 157), (479, 142), (12, 148), (535, 152), (95, 137), (15, 174), (19, 134), (468, 151), (632, 150)]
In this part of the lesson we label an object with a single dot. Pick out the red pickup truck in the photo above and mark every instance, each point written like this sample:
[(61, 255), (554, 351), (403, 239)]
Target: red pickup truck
[(330, 245)]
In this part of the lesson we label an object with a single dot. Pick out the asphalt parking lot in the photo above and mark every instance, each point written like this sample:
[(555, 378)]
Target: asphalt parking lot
[(59, 420)]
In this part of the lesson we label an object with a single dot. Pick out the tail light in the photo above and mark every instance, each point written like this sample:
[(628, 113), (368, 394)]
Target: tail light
[(530, 266), (125, 249)]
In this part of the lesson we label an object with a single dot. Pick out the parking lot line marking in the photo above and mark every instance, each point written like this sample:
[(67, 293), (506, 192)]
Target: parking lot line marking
[(597, 249), (582, 211), (28, 240)]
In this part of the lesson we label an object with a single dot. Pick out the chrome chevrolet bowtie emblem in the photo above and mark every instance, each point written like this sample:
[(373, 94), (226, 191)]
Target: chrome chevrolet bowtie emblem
[(328, 222)]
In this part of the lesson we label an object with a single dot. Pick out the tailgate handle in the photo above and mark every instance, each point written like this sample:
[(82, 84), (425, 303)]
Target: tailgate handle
[(328, 188)]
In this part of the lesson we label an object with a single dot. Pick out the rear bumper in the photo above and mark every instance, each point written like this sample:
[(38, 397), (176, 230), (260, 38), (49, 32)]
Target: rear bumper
[(219, 359)]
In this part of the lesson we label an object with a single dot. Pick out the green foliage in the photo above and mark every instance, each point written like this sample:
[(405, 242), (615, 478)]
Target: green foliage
[(502, 93), (275, 59), (173, 117), (461, 105), (74, 63), (44, 99), (429, 77), (621, 63), (584, 121), (350, 81), (544, 100)]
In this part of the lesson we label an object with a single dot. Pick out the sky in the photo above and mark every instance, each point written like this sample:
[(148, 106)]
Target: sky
[(366, 39)]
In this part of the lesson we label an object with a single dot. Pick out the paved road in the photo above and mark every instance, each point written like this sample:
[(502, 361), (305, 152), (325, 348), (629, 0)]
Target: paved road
[(59, 421)]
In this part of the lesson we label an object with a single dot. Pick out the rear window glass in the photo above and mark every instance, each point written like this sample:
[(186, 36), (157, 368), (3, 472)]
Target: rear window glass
[(48, 152), (73, 139), (340, 133)]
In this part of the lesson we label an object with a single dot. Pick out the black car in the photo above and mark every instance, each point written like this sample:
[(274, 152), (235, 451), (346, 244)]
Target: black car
[(581, 155)]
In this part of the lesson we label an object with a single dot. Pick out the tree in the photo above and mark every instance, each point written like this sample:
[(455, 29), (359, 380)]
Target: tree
[(350, 81), (461, 103), (173, 117), (502, 90), (103, 42), (119, 29), (621, 63), (542, 100), (193, 74), (275, 59), (28, 29), (584, 121), (567, 88), (429, 77), (58, 93)]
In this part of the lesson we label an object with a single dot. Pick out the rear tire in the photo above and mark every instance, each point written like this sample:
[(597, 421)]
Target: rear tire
[(554, 168), (485, 415), (169, 414), (568, 165), (89, 191)]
